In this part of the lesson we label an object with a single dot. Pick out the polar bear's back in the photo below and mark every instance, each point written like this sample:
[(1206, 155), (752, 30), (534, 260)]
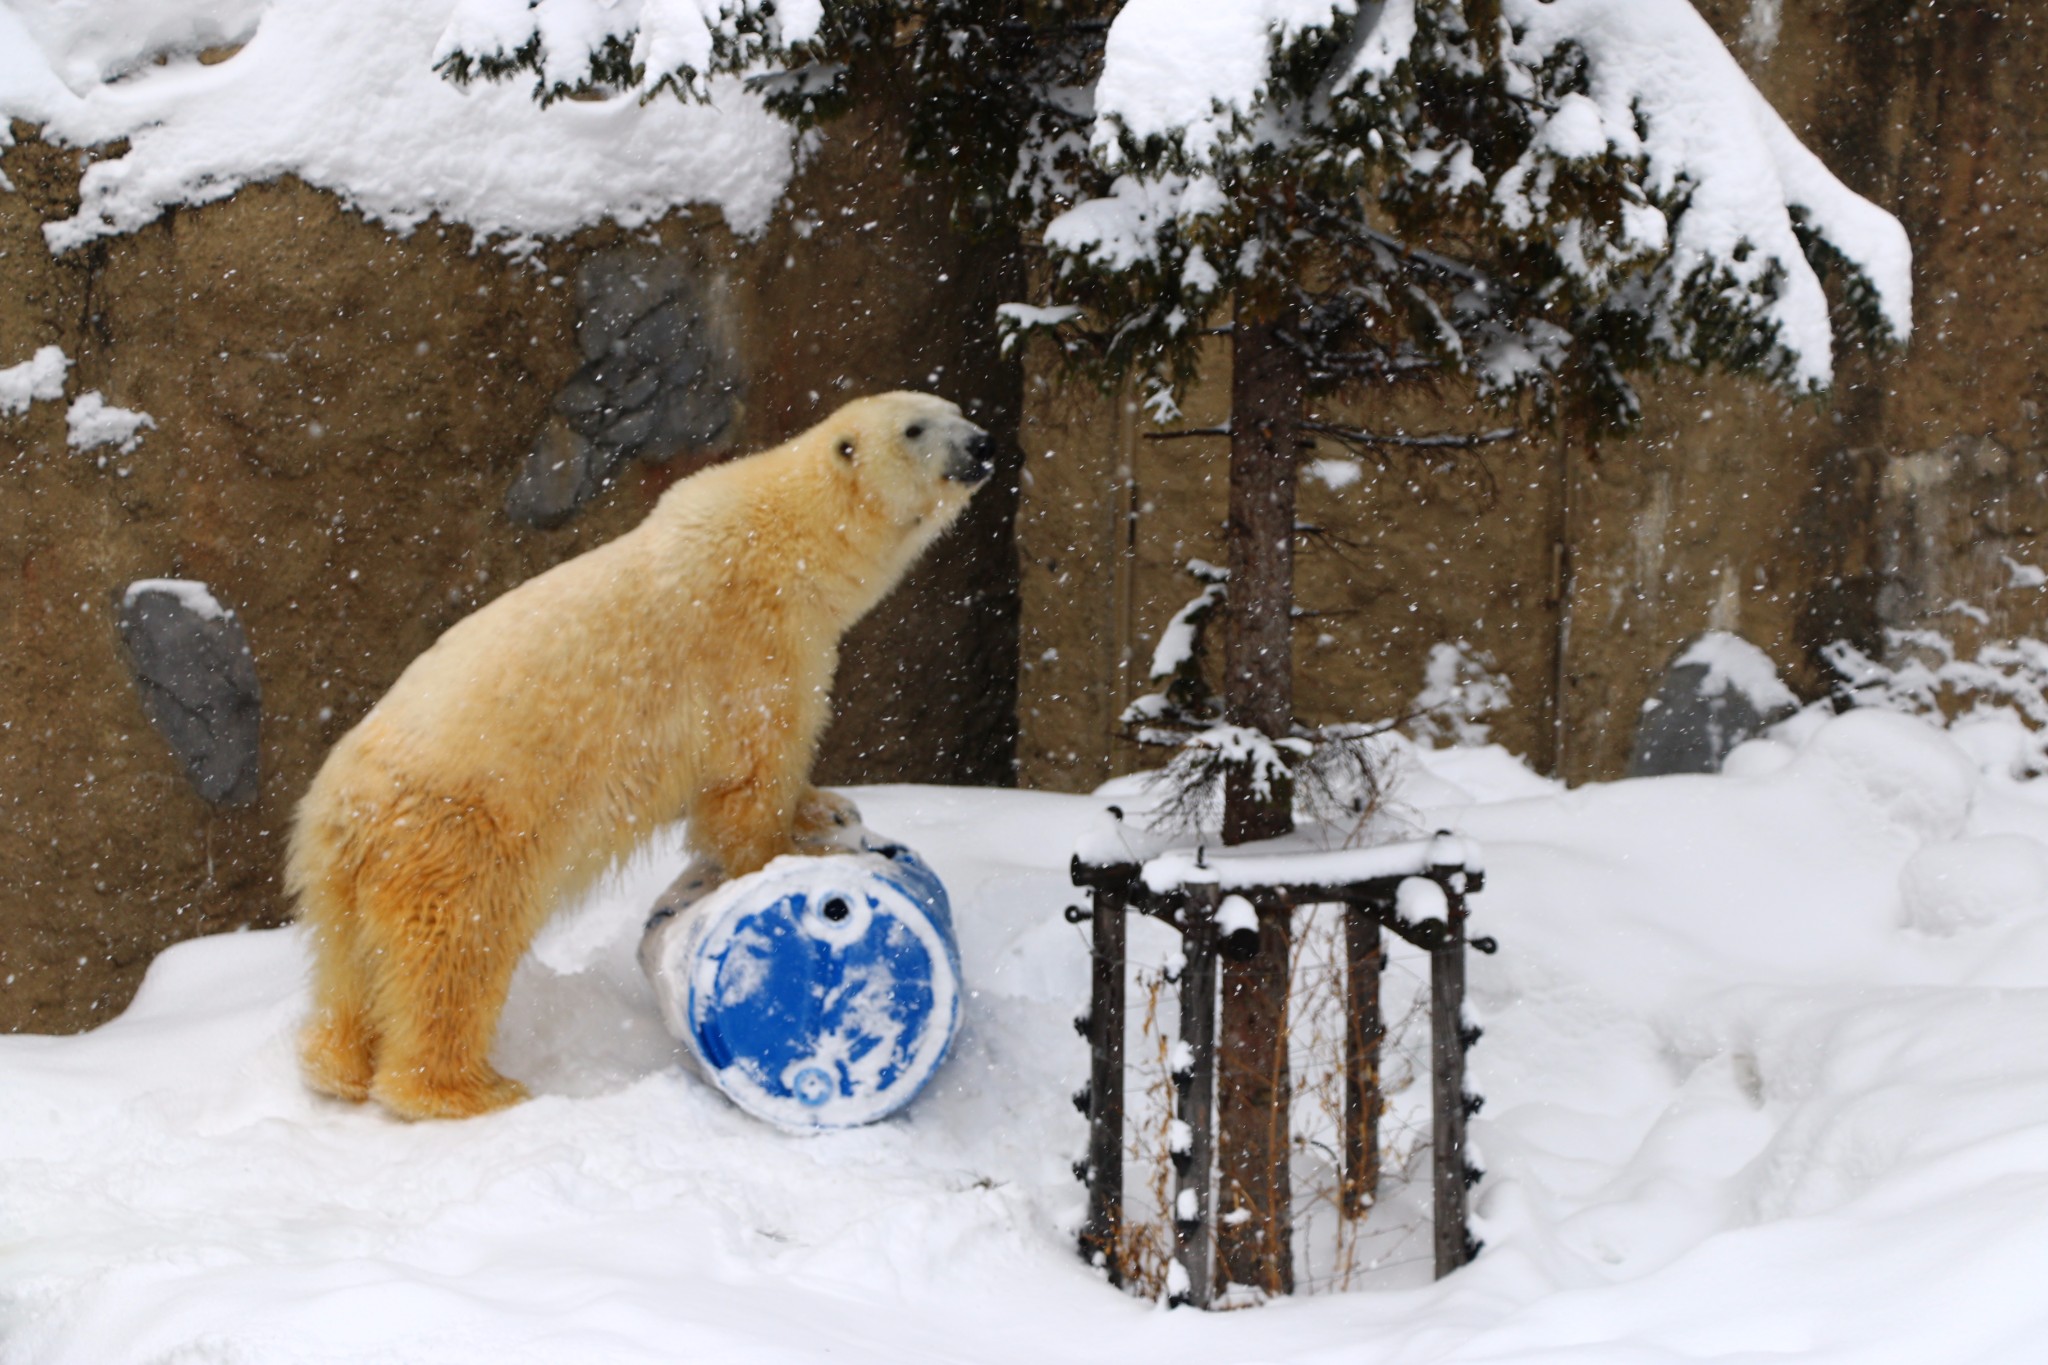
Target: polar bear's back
[(588, 698)]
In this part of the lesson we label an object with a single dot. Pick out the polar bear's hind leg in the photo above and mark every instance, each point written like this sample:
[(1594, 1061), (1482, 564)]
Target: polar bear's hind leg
[(338, 1047), (445, 927)]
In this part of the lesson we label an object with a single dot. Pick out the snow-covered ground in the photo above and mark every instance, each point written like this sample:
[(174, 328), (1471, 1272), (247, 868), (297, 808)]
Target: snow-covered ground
[(1764, 1063)]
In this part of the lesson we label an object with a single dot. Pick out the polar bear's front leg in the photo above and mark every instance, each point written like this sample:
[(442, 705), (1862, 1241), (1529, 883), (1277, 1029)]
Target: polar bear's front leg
[(745, 825), (761, 797)]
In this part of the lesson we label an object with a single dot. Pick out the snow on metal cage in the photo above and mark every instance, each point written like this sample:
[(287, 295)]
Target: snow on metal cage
[(1393, 886)]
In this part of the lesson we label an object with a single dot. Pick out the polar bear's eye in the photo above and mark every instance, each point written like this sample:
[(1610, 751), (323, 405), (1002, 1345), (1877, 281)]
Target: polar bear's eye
[(916, 430), (846, 450)]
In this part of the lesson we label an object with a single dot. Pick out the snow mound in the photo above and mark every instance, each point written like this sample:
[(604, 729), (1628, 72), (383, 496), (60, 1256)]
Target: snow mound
[(1758, 758), (1912, 771), (41, 376), (346, 97), (1975, 882)]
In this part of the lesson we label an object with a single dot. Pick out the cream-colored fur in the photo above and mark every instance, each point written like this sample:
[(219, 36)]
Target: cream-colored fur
[(682, 670)]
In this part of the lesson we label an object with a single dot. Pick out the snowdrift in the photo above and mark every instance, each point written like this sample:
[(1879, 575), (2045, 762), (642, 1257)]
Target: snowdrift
[(1764, 1067)]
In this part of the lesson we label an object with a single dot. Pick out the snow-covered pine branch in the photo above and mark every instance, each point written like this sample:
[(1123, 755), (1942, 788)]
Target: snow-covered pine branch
[(1924, 674), (1185, 699), (996, 92), (1636, 199), (643, 46)]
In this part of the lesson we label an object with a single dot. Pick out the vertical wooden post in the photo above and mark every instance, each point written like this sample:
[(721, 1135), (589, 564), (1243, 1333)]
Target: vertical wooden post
[(1447, 1049), (1102, 1234), (1255, 1229), (1364, 1029), (1194, 1091)]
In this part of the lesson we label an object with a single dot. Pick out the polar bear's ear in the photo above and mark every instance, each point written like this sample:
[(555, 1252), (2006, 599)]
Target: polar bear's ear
[(846, 449)]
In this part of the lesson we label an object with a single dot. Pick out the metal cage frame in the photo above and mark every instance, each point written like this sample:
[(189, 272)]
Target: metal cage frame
[(1189, 905)]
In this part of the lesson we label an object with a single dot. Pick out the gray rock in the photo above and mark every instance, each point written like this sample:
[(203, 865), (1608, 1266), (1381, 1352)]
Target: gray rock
[(658, 378), (197, 681), (560, 474), (1718, 692), (616, 289)]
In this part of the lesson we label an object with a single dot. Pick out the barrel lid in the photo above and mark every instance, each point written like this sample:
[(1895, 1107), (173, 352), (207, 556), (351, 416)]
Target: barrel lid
[(823, 992)]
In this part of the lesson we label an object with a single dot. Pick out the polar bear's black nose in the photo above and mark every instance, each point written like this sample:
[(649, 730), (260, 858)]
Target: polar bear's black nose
[(976, 459)]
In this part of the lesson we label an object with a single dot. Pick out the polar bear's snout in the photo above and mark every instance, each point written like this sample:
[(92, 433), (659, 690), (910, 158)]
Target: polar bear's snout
[(974, 459)]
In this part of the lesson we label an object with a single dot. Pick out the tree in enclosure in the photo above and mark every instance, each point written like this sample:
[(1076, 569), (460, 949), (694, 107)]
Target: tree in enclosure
[(1543, 197), (1539, 197)]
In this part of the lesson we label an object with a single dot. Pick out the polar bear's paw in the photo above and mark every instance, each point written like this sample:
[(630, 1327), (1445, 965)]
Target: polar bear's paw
[(826, 822), (412, 1095), (335, 1057)]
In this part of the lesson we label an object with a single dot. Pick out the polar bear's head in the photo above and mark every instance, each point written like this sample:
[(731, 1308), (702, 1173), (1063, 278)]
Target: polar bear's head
[(912, 454)]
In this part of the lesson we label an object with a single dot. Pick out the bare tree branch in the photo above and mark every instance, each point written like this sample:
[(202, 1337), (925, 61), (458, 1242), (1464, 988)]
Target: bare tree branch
[(1443, 440), (1223, 430)]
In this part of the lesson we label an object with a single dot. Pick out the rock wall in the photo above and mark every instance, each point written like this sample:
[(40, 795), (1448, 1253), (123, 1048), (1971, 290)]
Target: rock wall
[(360, 437), (341, 416), (1905, 499)]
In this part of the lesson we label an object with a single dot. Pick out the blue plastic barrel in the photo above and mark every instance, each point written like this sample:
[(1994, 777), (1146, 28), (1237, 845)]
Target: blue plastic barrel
[(820, 992)]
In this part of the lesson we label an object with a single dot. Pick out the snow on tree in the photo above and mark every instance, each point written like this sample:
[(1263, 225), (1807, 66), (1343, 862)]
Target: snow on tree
[(1607, 154), (1542, 197), (988, 85)]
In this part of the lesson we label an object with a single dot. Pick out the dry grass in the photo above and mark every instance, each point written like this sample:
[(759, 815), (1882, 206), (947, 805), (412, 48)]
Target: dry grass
[(1390, 1242)]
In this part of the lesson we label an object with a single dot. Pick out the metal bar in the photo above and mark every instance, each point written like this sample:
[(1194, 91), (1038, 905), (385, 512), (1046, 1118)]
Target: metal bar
[(1378, 893), (1102, 1233), (1447, 1055), (1194, 1089), (1102, 874), (1364, 1028)]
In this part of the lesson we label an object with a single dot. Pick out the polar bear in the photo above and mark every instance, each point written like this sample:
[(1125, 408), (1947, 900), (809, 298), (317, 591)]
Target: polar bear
[(684, 669)]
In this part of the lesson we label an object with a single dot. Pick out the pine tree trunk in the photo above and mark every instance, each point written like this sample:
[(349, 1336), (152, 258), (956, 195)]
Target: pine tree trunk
[(1255, 1229), (1266, 384), (1255, 1223)]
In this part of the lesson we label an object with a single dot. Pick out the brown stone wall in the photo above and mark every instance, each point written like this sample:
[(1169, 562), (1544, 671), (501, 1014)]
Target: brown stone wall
[(339, 412), (1582, 570)]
